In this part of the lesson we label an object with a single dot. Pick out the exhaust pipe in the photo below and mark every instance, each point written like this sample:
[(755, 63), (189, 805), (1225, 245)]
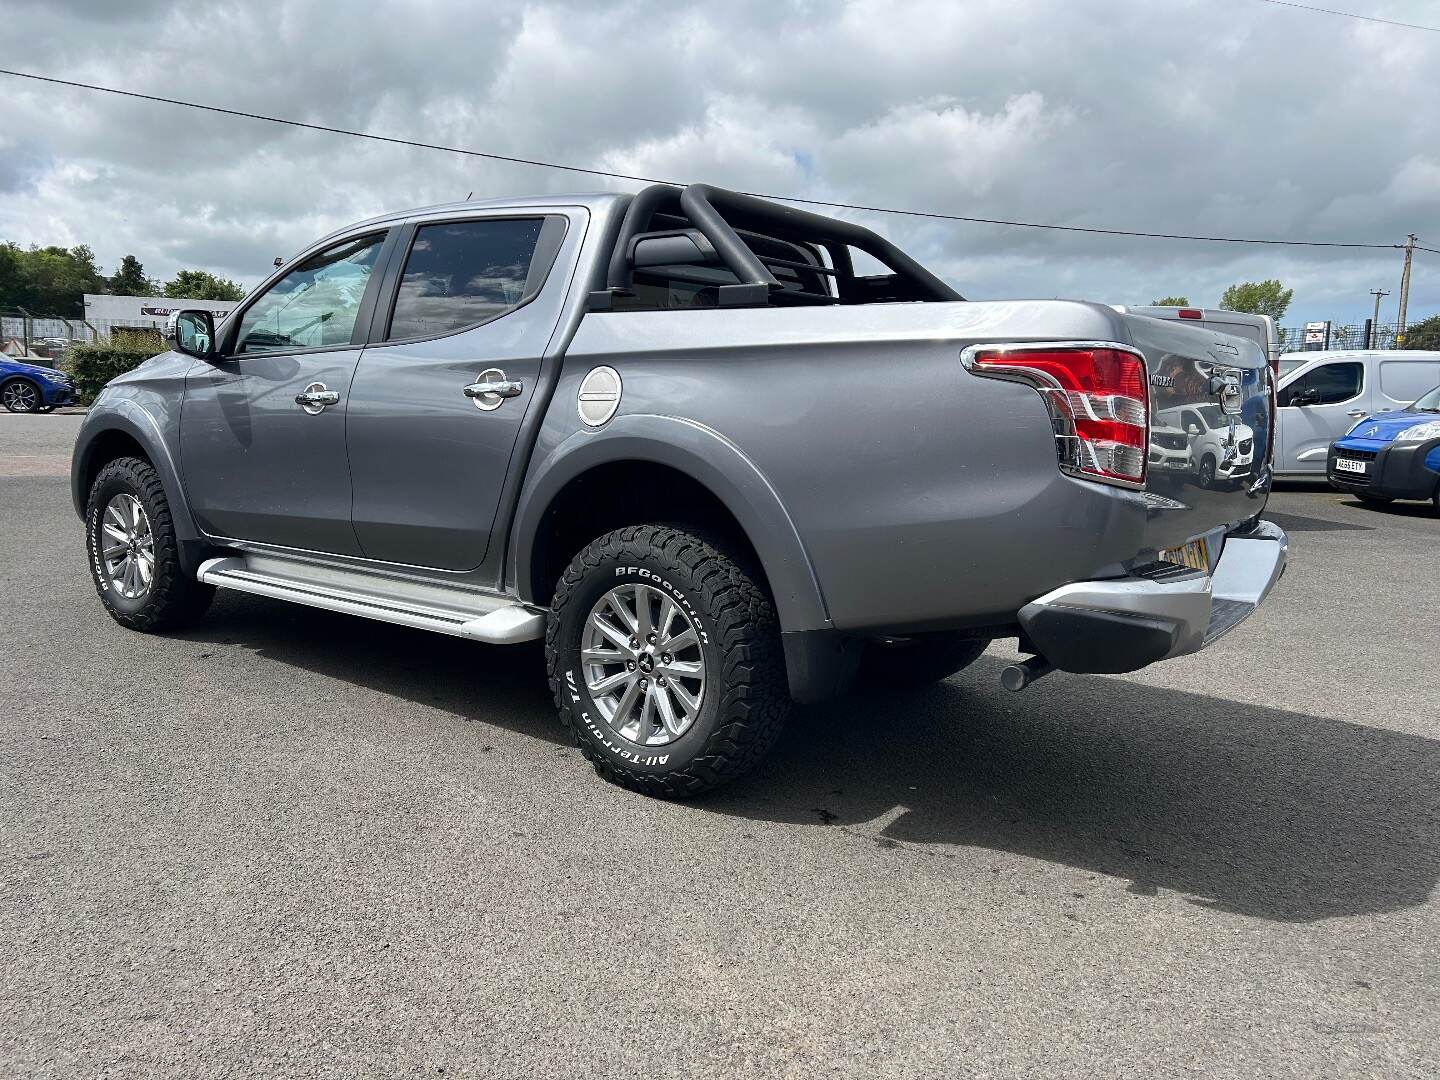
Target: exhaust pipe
[(1016, 677)]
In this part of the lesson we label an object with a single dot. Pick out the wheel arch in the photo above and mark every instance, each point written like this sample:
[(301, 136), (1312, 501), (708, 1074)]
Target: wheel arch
[(673, 447), (126, 430)]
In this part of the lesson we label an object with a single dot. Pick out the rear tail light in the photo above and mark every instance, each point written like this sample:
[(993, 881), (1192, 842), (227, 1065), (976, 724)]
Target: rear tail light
[(1098, 397)]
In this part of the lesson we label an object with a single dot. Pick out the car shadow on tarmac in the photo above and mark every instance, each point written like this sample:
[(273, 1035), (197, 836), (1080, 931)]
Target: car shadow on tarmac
[(1252, 810)]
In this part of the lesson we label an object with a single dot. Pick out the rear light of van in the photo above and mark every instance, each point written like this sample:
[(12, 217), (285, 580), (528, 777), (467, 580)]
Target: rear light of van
[(1098, 398)]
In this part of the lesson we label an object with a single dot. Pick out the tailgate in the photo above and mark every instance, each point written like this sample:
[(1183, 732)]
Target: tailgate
[(1212, 424)]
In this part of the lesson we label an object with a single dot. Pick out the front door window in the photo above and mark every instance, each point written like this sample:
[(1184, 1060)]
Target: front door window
[(315, 305)]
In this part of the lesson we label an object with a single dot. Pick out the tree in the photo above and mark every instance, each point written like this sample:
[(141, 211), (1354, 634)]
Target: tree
[(48, 280), (129, 279), (1424, 334), (1267, 297), (202, 285), (1171, 301)]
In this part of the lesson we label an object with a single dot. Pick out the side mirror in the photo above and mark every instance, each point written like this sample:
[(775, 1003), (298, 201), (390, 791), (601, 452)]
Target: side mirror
[(1308, 396), (195, 334), (1193, 430)]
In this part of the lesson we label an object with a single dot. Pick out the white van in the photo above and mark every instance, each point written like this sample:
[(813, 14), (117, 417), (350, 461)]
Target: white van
[(1322, 394), (1257, 328)]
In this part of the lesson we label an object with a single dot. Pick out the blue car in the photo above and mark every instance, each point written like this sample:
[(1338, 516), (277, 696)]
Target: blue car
[(1395, 456), (26, 387)]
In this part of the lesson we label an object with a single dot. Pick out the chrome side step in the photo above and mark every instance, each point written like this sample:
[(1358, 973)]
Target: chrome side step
[(497, 620)]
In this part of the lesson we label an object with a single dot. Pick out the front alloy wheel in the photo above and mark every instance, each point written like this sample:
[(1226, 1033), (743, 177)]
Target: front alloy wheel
[(20, 396), (134, 553), (128, 554)]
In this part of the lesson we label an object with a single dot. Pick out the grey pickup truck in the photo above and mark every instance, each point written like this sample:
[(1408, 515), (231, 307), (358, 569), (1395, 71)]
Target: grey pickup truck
[(719, 453)]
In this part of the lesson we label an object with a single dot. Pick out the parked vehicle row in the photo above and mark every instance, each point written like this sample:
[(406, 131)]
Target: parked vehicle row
[(681, 438)]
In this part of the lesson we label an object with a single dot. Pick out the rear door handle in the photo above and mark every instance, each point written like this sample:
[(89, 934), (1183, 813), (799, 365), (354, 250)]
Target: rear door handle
[(491, 388)]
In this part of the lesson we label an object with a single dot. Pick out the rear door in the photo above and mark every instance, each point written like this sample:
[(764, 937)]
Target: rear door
[(257, 463), (1337, 393), (472, 299)]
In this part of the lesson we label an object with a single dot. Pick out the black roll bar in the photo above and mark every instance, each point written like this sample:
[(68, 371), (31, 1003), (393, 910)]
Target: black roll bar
[(703, 206)]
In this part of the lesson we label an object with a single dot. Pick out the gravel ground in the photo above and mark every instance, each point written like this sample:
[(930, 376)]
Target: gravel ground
[(294, 844)]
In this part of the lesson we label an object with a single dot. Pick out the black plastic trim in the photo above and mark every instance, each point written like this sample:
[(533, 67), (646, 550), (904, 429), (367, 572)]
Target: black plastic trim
[(820, 664), (1086, 641)]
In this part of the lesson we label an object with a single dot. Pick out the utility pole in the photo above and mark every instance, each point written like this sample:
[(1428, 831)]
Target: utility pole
[(1404, 291), (1378, 293)]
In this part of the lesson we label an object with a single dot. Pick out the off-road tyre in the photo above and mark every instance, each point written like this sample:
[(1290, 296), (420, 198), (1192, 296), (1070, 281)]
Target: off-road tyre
[(174, 599), (919, 660), (746, 698), (29, 404)]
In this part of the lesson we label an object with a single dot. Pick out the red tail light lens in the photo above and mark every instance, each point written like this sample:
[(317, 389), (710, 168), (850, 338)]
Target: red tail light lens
[(1098, 397), (1190, 313)]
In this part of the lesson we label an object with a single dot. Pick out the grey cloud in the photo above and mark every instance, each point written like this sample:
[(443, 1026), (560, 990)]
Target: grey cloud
[(1236, 119)]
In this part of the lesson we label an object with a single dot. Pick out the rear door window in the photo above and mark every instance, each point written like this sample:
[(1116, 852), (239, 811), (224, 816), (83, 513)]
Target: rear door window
[(1333, 383), (1406, 380), (463, 273)]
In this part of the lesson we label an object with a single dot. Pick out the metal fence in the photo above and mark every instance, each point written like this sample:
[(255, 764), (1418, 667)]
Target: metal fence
[(49, 336), (1362, 335)]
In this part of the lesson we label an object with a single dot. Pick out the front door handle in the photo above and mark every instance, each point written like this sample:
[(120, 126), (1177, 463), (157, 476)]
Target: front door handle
[(1356, 413), (314, 399), (491, 388)]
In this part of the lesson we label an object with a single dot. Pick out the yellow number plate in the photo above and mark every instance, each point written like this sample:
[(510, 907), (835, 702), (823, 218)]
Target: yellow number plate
[(1192, 555)]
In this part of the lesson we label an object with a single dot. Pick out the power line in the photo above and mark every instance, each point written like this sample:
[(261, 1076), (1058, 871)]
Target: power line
[(416, 144), (1351, 15)]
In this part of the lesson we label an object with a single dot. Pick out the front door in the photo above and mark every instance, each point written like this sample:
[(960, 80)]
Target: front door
[(1315, 410), (262, 429), (429, 460)]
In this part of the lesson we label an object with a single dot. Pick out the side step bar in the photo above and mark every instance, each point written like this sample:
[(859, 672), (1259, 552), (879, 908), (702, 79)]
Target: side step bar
[(497, 620)]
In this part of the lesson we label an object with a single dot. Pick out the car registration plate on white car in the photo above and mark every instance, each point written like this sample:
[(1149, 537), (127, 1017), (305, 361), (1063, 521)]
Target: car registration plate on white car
[(1350, 465)]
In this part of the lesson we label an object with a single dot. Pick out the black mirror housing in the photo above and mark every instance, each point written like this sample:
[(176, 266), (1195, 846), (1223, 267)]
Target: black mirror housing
[(195, 334)]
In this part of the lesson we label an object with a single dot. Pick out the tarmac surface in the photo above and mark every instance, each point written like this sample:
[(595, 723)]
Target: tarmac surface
[(291, 843)]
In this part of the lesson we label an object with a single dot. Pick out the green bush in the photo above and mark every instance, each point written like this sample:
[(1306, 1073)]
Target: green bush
[(1424, 334), (95, 365)]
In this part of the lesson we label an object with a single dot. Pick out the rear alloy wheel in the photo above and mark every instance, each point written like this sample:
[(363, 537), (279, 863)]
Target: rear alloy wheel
[(665, 660), (21, 396), (919, 660), (134, 556)]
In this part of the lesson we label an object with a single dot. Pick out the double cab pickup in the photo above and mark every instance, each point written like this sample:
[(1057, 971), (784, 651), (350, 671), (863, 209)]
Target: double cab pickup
[(718, 453)]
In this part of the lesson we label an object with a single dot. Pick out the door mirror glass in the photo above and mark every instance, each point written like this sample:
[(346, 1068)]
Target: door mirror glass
[(195, 334)]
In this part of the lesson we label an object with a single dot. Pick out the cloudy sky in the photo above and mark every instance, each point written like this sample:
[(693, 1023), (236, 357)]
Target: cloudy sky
[(1222, 117)]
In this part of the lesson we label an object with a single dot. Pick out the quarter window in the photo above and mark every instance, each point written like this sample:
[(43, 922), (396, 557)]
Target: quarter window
[(463, 273), (315, 304), (1332, 383)]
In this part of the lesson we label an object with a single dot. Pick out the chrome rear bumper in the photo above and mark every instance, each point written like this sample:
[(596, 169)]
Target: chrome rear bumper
[(1123, 624)]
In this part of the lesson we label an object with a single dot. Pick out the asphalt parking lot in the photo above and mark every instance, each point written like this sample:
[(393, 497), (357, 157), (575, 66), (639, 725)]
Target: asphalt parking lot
[(291, 843)]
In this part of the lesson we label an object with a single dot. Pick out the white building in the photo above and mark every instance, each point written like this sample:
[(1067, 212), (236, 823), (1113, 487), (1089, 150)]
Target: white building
[(105, 312)]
